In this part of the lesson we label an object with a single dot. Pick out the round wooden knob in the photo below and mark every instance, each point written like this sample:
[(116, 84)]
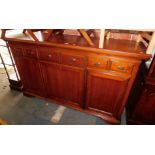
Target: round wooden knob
[(49, 56), (121, 68), (97, 63), (74, 59)]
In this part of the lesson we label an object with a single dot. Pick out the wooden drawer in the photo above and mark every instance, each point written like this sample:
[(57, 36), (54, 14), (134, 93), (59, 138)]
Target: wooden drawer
[(49, 55), (98, 61), (74, 60), (120, 66), (30, 52), (17, 51)]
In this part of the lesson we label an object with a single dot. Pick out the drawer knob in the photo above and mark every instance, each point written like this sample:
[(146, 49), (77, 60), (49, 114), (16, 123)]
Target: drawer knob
[(121, 68), (97, 63), (74, 59), (49, 56)]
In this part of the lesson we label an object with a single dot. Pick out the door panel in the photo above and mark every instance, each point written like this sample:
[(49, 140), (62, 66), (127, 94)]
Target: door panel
[(64, 82), (31, 76), (105, 91), (72, 84), (52, 77)]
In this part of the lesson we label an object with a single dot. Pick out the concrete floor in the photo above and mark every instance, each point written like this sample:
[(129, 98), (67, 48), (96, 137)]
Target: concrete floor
[(17, 109)]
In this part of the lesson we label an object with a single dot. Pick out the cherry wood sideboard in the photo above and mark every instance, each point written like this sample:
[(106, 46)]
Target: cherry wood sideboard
[(96, 81)]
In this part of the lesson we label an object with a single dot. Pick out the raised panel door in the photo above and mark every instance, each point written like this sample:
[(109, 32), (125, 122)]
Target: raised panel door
[(105, 91), (29, 70)]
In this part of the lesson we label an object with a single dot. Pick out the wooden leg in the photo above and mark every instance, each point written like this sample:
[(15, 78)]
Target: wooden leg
[(24, 31), (94, 33), (101, 42), (3, 34), (30, 32), (62, 31), (49, 34), (139, 38), (86, 37), (108, 35), (151, 44)]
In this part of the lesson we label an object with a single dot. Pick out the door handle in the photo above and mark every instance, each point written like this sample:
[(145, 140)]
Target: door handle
[(121, 68), (49, 56), (97, 63), (73, 59)]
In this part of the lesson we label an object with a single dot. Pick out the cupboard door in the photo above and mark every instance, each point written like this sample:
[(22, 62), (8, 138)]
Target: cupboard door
[(52, 78), (64, 82), (72, 84), (30, 73), (105, 90)]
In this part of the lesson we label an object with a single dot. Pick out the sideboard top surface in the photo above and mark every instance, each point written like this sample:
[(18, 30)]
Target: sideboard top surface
[(116, 47)]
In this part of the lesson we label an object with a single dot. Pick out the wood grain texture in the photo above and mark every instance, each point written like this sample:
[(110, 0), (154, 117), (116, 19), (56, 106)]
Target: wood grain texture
[(49, 33), (86, 37), (98, 61), (74, 60), (72, 84), (113, 47), (30, 74), (64, 82), (30, 32), (105, 91), (48, 54)]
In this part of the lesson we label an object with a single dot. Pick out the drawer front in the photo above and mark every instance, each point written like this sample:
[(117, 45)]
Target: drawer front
[(120, 66), (49, 55), (17, 51), (74, 60), (98, 61), (30, 52)]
